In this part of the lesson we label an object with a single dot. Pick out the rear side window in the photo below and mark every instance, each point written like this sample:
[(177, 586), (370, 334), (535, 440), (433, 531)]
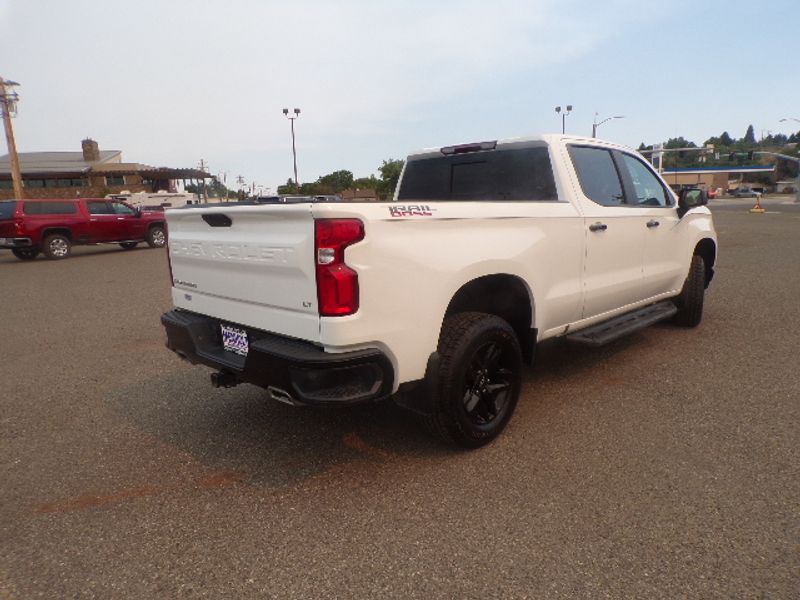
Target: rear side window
[(49, 208), (7, 209), (513, 174), (598, 175), (99, 207)]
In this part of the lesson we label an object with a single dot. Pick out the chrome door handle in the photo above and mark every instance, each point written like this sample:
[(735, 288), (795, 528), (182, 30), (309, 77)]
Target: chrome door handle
[(598, 227), (653, 223)]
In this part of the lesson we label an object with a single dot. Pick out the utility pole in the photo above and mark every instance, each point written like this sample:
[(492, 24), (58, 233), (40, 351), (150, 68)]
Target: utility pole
[(203, 166), (8, 106)]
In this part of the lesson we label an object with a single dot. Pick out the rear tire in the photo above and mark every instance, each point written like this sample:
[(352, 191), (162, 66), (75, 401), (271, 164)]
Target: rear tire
[(25, 253), (690, 302), (56, 246), (157, 237), (478, 379), (129, 245)]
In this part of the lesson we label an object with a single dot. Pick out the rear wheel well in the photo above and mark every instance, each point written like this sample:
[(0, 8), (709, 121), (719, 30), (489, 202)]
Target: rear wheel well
[(505, 296), (60, 231), (707, 249)]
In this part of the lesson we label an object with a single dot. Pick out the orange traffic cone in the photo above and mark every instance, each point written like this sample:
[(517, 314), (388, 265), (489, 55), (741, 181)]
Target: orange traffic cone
[(757, 207)]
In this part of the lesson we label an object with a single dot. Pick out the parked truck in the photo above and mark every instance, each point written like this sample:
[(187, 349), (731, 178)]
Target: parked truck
[(438, 297), (53, 226)]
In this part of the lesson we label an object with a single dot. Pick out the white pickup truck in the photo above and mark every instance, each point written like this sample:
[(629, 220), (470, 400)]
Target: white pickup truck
[(438, 297)]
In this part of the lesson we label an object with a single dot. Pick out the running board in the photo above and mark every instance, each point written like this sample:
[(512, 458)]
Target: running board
[(608, 331)]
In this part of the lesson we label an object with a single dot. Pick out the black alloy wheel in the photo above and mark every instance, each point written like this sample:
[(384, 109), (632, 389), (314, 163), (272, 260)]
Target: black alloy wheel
[(487, 384), (478, 379)]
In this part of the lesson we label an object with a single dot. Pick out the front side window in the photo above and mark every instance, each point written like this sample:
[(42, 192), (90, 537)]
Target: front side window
[(597, 175), (647, 187), (121, 209), (500, 175)]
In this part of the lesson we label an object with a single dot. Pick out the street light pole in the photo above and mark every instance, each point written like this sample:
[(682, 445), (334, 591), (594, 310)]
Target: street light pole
[(296, 112), (564, 117), (8, 102), (793, 159), (797, 183), (595, 124)]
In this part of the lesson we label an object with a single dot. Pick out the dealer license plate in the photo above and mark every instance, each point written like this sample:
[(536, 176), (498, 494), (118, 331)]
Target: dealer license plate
[(234, 340)]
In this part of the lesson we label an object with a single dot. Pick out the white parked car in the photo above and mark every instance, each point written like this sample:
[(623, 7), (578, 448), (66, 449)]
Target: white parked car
[(439, 296)]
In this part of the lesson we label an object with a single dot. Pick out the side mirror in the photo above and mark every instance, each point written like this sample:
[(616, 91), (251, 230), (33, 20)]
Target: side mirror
[(690, 198)]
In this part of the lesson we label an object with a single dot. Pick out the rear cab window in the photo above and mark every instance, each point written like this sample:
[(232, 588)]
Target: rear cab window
[(502, 174)]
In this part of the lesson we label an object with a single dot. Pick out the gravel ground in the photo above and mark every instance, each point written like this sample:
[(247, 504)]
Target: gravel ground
[(662, 466)]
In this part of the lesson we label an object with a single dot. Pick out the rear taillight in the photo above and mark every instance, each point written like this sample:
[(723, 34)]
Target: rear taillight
[(337, 284)]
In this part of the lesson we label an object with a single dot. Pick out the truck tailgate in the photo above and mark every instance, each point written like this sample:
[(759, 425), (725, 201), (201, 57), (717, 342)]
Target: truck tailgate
[(247, 264)]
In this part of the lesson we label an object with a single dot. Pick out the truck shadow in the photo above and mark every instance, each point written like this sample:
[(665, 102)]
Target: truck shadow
[(79, 253), (241, 431)]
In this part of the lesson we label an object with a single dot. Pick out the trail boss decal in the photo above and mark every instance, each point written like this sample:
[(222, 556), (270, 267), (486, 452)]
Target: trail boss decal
[(411, 210)]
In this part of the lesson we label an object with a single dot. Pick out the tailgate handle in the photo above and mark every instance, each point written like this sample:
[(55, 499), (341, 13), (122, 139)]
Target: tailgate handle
[(217, 220)]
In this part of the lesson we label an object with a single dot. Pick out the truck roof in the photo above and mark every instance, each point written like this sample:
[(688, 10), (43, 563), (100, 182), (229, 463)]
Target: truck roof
[(523, 141)]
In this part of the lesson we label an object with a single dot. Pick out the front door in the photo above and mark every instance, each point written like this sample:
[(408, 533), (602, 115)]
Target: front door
[(615, 233), (129, 225), (663, 267)]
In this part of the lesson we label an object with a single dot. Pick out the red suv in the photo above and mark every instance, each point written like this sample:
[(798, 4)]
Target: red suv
[(52, 227)]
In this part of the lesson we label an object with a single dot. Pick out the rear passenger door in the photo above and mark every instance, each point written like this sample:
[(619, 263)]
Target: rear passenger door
[(614, 229), (102, 221)]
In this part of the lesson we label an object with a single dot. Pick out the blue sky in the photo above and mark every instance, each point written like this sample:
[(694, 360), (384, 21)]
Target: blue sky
[(171, 82)]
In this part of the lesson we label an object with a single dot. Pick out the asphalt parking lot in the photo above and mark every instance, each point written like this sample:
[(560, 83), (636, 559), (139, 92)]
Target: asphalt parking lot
[(662, 466)]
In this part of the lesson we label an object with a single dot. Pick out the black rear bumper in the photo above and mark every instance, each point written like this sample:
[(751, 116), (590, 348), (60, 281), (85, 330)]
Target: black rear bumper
[(294, 371)]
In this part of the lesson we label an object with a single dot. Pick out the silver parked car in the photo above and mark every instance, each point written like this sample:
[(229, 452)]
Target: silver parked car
[(746, 193)]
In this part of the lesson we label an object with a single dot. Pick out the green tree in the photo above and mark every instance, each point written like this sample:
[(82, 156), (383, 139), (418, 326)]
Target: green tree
[(289, 188), (336, 182), (311, 189), (390, 174), (679, 142), (750, 136), (366, 183), (726, 140)]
